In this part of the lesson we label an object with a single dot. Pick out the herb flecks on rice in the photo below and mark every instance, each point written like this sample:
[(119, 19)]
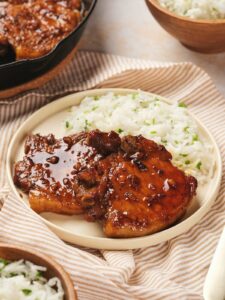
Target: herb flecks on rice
[(140, 113), (21, 280)]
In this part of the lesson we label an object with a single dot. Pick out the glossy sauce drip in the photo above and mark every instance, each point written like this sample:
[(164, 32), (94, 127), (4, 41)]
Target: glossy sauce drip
[(130, 184), (63, 163)]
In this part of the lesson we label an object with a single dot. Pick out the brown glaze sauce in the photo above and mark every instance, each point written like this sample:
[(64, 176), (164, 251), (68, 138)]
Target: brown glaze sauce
[(34, 27), (129, 183), (54, 164)]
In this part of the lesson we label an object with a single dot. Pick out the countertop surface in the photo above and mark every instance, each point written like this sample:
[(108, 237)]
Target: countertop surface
[(127, 28)]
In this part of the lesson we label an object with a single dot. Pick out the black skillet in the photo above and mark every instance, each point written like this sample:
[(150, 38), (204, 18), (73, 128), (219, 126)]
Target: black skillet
[(14, 73)]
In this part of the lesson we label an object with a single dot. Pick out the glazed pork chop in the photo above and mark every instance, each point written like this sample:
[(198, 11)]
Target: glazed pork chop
[(128, 184), (34, 27), (61, 174), (148, 192)]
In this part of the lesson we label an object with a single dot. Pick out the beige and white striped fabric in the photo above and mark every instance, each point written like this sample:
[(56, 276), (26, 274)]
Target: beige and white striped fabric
[(172, 270)]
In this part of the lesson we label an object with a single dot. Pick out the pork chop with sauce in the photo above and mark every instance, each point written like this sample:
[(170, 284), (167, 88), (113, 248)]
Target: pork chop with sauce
[(32, 28), (129, 184)]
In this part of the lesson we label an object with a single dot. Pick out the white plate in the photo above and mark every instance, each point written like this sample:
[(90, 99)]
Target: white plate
[(75, 229)]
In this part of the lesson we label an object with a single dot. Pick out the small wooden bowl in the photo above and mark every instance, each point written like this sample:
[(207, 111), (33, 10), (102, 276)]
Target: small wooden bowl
[(14, 252), (206, 36)]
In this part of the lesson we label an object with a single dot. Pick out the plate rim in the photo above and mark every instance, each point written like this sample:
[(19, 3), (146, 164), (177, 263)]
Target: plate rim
[(119, 243)]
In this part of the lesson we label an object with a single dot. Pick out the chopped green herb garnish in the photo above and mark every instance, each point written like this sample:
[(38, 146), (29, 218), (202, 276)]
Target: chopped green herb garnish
[(26, 292), (134, 96), (186, 129), (147, 122), (94, 108), (153, 132), (195, 138), (120, 130), (176, 142), (38, 274), (199, 164), (4, 261), (68, 125), (187, 162), (86, 125), (96, 98), (183, 155), (144, 104), (182, 104), (152, 122)]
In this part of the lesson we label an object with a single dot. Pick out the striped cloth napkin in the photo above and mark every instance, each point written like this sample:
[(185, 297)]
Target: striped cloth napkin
[(172, 270)]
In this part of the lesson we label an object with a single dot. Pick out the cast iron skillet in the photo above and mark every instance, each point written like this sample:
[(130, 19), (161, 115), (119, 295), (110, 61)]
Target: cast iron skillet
[(14, 73)]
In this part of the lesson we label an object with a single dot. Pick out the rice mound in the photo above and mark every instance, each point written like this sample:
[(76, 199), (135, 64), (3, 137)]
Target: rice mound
[(196, 9), (23, 280), (140, 113)]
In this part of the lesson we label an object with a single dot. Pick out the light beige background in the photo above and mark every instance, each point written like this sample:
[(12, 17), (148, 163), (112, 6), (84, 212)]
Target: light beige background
[(126, 27)]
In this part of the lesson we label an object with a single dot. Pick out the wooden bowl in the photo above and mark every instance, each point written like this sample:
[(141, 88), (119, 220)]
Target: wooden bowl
[(206, 36), (14, 252)]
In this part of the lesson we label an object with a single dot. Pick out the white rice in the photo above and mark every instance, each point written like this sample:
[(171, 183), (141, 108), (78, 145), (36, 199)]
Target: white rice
[(141, 113), (23, 280), (196, 9)]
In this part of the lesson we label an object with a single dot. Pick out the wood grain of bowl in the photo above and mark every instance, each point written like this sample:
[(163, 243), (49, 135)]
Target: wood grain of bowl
[(206, 36), (15, 252)]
